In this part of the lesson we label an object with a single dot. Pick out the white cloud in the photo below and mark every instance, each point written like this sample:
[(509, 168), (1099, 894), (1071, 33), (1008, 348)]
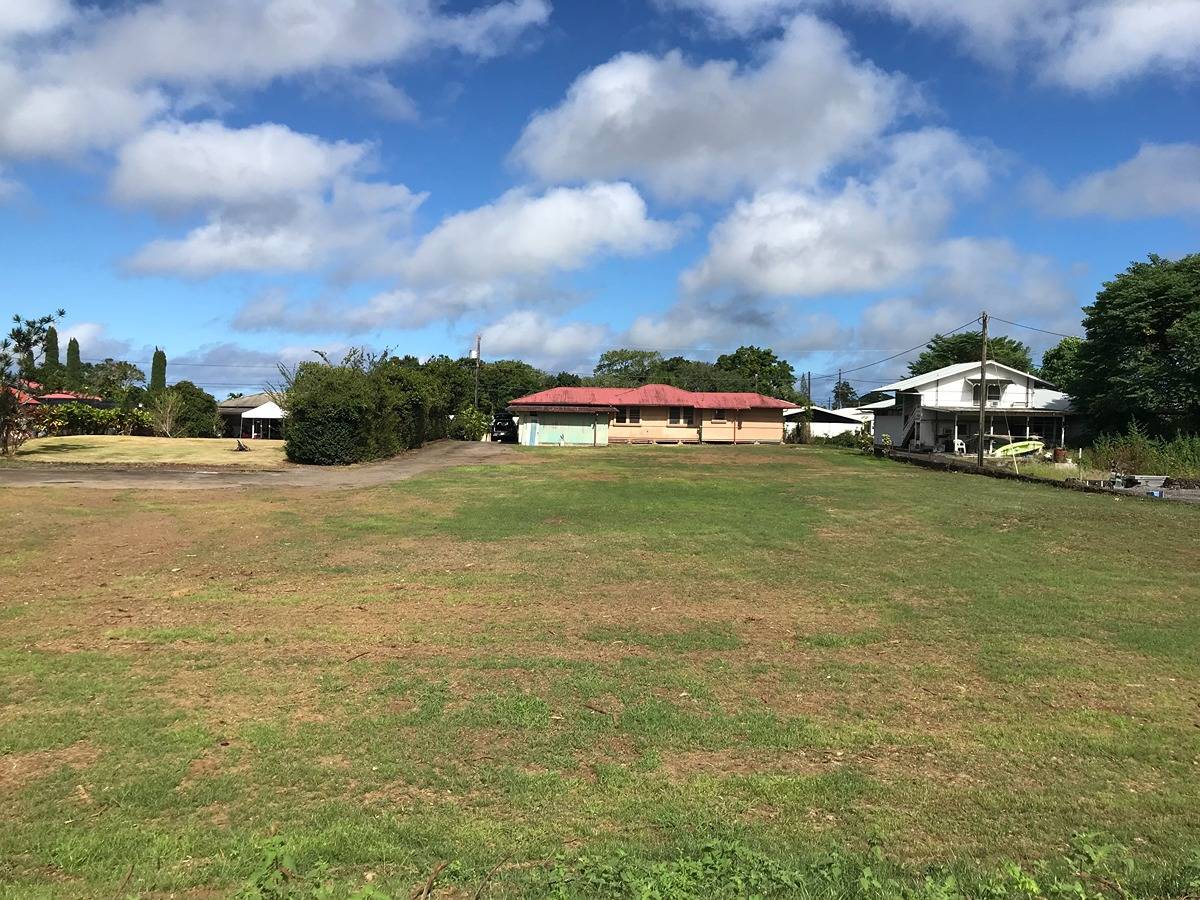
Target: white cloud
[(967, 276), (26, 17), (71, 82), (63, 119), (274, 311), (542, 341), (274, 200), (1160, 180), (354, 227), (523, 235), (94, 341), (486, 259), (176, 166), (706, 129), (1085, 44), (864, 236)]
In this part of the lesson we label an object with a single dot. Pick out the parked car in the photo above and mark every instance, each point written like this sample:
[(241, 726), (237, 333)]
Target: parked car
[(504, 429)]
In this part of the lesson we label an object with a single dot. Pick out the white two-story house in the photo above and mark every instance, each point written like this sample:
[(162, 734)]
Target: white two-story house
[(940, 410)]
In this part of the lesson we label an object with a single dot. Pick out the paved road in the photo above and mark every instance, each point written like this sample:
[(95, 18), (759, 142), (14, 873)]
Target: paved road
[(439, 455)]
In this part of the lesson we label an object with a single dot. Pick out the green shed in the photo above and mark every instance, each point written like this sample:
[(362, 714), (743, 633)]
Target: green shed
[(564, 427)]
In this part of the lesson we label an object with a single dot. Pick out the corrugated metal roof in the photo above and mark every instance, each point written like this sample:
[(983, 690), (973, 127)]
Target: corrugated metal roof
[(650, 395), (950, 372), (23, 398)]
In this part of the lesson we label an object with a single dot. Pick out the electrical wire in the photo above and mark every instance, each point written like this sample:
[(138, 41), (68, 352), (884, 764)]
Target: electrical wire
[(901, 353), (1033, 328)]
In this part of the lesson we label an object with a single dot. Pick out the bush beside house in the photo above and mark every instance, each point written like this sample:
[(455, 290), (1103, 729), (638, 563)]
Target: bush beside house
[(366, 409)]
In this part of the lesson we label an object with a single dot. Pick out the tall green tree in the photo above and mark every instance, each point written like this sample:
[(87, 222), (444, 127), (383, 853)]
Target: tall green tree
[(20, 351), (967, 346), (761, 370), (625, 367), (1060, 364), (196, 414), (73, 377), (844, 395), (1140, 360), (51, 364), (504, 380), (158, 371), (112, 379)]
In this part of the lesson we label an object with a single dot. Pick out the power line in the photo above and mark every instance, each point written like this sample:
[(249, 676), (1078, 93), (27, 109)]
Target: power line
[(196, 365), (902, 352), (1032, 328)]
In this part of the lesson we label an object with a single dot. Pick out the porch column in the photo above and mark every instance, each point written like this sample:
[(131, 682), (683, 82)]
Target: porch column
[(955, 430), (1027, 432)]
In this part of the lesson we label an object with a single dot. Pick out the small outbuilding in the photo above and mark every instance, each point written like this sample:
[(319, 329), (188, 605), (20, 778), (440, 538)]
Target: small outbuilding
[(263, 422)]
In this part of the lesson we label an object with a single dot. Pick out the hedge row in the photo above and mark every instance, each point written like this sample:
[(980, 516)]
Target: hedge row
[(80, 418), (339, 415)]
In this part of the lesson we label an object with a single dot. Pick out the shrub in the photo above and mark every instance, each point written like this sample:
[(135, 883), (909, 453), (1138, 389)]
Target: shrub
[(364, 409), (1137, 452), (197, 415), (469, 424), (329, 415), (81, 418)]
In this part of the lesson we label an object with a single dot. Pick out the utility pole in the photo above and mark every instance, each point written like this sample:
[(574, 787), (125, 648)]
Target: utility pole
[(982, 387), (478, 359), (837, 387)]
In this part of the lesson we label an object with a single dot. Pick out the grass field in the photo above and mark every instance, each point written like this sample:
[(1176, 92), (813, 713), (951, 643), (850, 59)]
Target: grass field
[(626, 672), (120, 450)]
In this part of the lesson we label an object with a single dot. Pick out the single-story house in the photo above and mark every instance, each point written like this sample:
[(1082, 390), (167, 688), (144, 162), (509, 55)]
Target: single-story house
[(653, 413), (58, 398), (823, 422), (251, 416), (939, 410)]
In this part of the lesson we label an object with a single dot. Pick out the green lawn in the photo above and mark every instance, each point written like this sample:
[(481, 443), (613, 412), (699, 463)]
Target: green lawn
[(639, 671), (121, 450)]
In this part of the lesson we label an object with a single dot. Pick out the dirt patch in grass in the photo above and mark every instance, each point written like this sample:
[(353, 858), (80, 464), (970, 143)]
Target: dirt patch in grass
[(19, 769)]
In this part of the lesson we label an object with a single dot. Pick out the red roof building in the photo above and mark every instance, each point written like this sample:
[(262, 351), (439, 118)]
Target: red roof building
[(653, 413)]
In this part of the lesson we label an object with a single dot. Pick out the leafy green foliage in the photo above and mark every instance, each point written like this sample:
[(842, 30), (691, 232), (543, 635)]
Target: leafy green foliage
[(20, 352), (761, 371), (197, 414), (1060, 364), (81, 418), (626, 368), (1141, 357), (844, 395), (73, 376), (469, 424), (746, 369), (366, 408), (967, 346), (52, 370), (112, 379), (158, 371), (1136, 452)]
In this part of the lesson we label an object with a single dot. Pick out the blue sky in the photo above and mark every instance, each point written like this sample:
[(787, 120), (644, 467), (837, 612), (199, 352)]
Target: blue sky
[(244, 181)]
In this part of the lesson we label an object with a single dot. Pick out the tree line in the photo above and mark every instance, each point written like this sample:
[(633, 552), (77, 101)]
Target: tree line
[(1138, 362)]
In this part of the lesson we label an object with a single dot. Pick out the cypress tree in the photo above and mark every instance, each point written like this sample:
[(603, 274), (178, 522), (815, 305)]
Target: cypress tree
[(74, 378), (50, 348), (158, 371)]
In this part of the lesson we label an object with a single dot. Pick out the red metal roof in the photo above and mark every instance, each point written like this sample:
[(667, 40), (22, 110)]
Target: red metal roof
[(23, 398), (649, 395), (68, 395)]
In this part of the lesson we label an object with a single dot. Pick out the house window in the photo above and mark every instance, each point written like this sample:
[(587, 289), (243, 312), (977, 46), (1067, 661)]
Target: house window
[(629, 415), (718, 415), (994, 390), (680, 415)]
